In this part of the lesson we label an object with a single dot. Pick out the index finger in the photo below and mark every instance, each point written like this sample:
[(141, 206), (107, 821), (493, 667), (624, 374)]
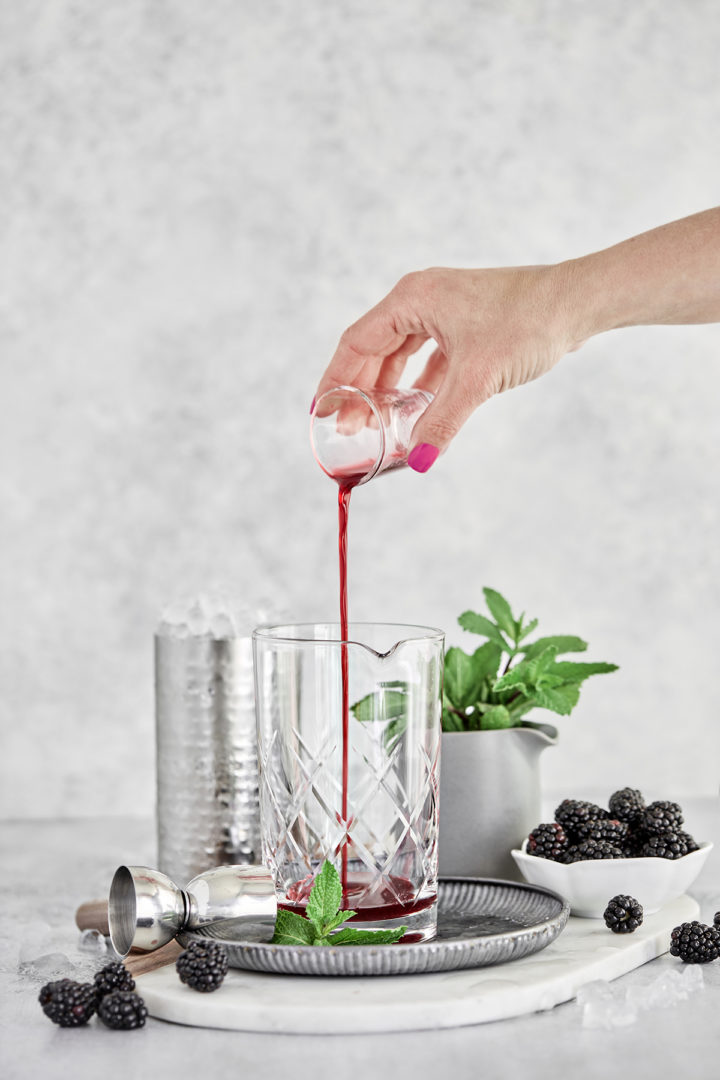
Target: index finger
[(373, 337)]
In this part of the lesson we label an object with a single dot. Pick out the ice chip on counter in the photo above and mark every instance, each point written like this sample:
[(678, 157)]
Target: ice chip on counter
[(93, 942), (693, 978), (47, 968), (667, 989), (591, 992), (608, 1012)]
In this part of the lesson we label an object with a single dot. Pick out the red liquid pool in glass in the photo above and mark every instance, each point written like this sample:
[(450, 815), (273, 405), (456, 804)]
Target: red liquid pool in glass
[(393, 898)]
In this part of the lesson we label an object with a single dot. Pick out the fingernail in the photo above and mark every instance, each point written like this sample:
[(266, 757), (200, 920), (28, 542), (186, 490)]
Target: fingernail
[(422, 456), (313, 405)]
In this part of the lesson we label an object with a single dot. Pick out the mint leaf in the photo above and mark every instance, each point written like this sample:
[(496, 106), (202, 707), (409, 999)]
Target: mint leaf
[(525, 630), (451, 721), (351, 936), (292, 929), (560, 699), (574, 672), (515, 677), (485, 662), (525, 674), (497, 716), (387, 704), (563, 643), (325, 897), (466, 676), (383, 704), (478, 624), (394, 733), (459, 679), (337, 920), (501, 613)]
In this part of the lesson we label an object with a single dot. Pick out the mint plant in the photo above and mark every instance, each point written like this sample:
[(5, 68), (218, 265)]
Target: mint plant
[(319, 925), (499, 683)]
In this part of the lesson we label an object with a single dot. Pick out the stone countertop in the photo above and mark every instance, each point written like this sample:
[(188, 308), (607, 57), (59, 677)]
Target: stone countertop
[(50, 867)]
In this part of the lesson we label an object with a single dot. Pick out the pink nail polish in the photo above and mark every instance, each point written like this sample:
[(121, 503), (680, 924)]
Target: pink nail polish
[(312, 405), (423, 456)]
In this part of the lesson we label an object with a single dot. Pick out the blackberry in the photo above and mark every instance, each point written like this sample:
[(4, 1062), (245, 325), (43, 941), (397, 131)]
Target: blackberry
[(716, 920), (595, 849), (623, 914), (68, 1003), (662, 817), (572, 813), (695, 943), (614, 831), (203, 965), (548, 842), (669, 845), (634, 843), (113, 977), (692, 844), (627, 805), (122, 1010)]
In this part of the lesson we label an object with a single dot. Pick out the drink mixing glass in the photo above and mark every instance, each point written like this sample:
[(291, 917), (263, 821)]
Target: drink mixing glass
[(349, 747)]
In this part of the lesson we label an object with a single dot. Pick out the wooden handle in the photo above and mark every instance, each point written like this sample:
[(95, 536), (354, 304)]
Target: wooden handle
[(138, 963), (93, 915)]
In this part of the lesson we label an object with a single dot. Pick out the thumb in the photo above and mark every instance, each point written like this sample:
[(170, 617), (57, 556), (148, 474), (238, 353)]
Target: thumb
[(441, 421)]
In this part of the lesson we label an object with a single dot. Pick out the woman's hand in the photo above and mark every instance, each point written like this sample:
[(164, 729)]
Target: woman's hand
[(494, 330)]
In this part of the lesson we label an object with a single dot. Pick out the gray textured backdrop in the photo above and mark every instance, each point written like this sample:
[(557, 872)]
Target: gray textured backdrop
[(196, 199)]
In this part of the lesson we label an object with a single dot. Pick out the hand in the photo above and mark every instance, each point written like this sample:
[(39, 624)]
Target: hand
[(494, 329)]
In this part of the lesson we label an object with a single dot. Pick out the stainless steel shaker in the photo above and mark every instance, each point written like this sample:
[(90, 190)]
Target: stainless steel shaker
[(207, 774)]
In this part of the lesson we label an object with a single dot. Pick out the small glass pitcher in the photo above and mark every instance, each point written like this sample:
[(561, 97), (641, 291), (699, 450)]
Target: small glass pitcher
[(357, 433), (355, 785)]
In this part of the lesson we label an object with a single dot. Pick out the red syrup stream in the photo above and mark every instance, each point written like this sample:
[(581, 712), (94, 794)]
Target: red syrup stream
[(383, 903), (344, 492), (398, 901)]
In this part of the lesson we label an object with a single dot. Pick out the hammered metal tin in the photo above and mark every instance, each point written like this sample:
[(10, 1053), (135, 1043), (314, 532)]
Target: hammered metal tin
[(207, 775), (480, 922)]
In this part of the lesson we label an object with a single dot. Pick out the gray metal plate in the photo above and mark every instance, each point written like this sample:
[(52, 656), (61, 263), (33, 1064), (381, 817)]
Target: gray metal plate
[(480, 922)]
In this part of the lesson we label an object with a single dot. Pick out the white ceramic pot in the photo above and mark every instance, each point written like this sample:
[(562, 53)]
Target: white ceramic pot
[(489, 798)]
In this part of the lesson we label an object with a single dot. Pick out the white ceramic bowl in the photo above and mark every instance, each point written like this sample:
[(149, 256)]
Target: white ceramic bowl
[(588, 885)]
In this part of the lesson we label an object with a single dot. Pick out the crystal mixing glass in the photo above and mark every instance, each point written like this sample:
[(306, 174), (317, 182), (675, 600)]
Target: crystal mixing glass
[(355, 786)]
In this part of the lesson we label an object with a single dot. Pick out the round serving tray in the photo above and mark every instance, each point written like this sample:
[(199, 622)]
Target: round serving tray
[(480, 922)]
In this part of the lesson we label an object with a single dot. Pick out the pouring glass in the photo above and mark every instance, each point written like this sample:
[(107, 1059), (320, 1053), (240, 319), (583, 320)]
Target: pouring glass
[(357, 433)]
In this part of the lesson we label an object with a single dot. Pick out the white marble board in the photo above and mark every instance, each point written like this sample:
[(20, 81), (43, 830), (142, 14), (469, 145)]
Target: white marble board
[(248, 1001)]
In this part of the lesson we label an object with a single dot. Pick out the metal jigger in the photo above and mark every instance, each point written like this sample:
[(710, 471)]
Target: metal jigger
[(147, 910)]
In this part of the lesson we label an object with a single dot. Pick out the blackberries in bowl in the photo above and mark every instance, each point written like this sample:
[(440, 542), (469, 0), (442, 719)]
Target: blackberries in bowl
[(628, 829), (590, 852)]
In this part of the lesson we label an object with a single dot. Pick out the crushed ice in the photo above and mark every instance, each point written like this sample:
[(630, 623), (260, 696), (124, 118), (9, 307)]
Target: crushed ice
[(214, 615), (606, 1006), (205, 615)]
